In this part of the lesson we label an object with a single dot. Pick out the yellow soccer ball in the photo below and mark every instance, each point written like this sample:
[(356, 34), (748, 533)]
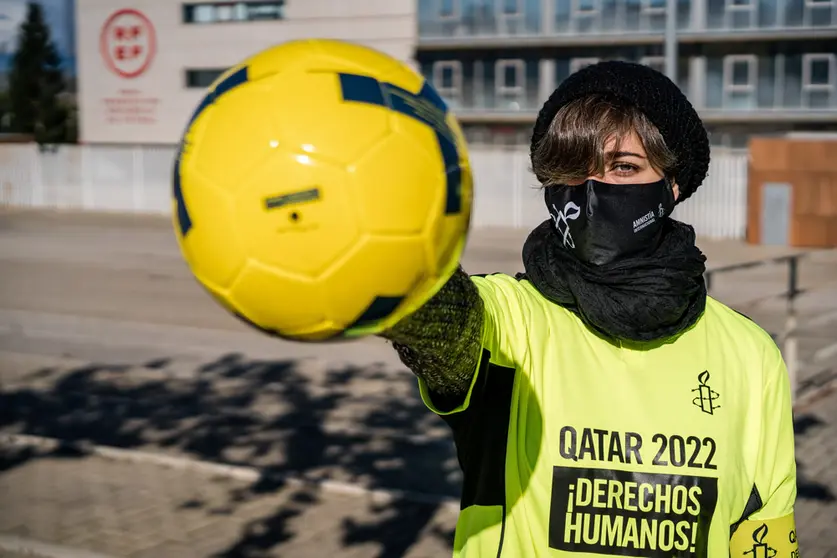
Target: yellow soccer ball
[(322, 190)]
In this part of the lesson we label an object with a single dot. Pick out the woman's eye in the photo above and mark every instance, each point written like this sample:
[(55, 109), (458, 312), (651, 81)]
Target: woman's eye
[(624, 168)]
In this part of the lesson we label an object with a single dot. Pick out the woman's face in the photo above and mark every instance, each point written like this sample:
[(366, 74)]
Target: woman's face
[(628, 165)]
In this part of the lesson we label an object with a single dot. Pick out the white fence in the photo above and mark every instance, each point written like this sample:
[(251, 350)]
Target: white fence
[(138, 179)]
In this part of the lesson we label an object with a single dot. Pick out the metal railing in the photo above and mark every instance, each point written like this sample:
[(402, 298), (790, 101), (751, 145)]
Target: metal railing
[(812, 386)]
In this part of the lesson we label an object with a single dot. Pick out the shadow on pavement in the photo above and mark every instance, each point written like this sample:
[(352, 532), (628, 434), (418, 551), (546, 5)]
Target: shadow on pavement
[(365, 426), (808, 489)]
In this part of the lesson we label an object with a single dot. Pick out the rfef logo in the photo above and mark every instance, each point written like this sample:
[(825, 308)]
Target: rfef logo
[(128, 43)]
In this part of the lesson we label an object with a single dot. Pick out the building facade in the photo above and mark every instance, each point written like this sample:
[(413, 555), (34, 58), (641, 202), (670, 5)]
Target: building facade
[(143, 65), (748, 66)]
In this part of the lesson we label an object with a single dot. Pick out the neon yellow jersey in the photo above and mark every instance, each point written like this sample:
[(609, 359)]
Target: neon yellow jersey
[(573, 446)]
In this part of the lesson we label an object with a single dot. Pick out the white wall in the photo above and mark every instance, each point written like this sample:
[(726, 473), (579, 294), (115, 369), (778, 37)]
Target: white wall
[(159, 92), (138, 180)]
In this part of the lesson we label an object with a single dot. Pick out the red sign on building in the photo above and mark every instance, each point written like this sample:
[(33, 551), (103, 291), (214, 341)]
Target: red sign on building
[(128, 43)]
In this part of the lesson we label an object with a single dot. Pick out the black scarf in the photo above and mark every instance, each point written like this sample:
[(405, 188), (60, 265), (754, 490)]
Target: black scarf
[(638, 299)]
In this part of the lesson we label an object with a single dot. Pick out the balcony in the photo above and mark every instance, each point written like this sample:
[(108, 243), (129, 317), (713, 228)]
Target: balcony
[(497, 86), (538, 23), (804, 83), (745, 88)]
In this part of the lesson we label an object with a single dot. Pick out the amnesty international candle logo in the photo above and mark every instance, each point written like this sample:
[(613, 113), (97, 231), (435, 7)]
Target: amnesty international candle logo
[(706, 396), (620, 513), (768, 538), (760, 548)]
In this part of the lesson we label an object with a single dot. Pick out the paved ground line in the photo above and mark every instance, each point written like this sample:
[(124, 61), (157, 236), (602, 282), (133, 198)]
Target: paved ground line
[(237, 472), (35, 549)]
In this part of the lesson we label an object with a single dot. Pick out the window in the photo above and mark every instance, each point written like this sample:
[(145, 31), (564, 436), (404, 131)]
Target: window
[(585, 7), (511, 7), (653, 6), (740, 14), (448, 9), (819, 72), (740, 73), (199, 14), (511, 18), (258, 11), (224, 13), (447, 79), (734, 5), (509, 82), (234, 11), (656, 62), (739, 82), (510, 74), (578, 63), (819, 80), (203, 77)]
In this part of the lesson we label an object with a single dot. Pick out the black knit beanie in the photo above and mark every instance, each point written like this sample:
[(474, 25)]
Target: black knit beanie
[(653, 94)]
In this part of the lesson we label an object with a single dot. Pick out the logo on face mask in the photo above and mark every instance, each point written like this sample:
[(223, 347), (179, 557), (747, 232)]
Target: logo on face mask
[(562, 218), (618, 220), (644, 221), (649, 218)]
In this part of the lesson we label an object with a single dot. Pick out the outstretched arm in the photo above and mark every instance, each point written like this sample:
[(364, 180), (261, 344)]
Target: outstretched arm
[(440, 342)]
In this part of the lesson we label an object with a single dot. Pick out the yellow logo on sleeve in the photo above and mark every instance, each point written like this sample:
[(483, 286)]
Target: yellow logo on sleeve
[(766, 539)]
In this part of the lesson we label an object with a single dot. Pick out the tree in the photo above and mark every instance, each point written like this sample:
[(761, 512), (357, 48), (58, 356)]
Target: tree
[(36, 82), (5, 111)]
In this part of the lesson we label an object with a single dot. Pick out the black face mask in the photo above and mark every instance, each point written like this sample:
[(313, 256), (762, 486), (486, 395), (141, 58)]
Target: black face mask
[(602, 223)]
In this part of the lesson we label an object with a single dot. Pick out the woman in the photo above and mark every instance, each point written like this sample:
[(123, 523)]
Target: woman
[(600, 402)]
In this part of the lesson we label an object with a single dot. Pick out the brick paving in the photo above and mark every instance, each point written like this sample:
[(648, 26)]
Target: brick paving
[(363, 426), (138, 510), (816, 451)]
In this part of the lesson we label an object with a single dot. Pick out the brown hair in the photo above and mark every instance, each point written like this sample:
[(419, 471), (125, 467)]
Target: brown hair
[(573, 147)]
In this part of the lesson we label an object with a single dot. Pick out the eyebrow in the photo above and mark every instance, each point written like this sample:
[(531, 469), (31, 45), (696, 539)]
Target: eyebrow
[(618, 154)]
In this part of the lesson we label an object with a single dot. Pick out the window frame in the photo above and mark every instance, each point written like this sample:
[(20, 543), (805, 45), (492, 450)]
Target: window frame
[(500, 87), (729, 73), (731, 6), (750, 10), (280, 6), (808, 60), (646, 8), (500, 9), (577, 11), (455, 91), (225, 6), (188, 9), (820, 3)]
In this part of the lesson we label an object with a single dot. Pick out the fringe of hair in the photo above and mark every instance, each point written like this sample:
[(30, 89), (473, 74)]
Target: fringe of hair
[(574, 146)]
